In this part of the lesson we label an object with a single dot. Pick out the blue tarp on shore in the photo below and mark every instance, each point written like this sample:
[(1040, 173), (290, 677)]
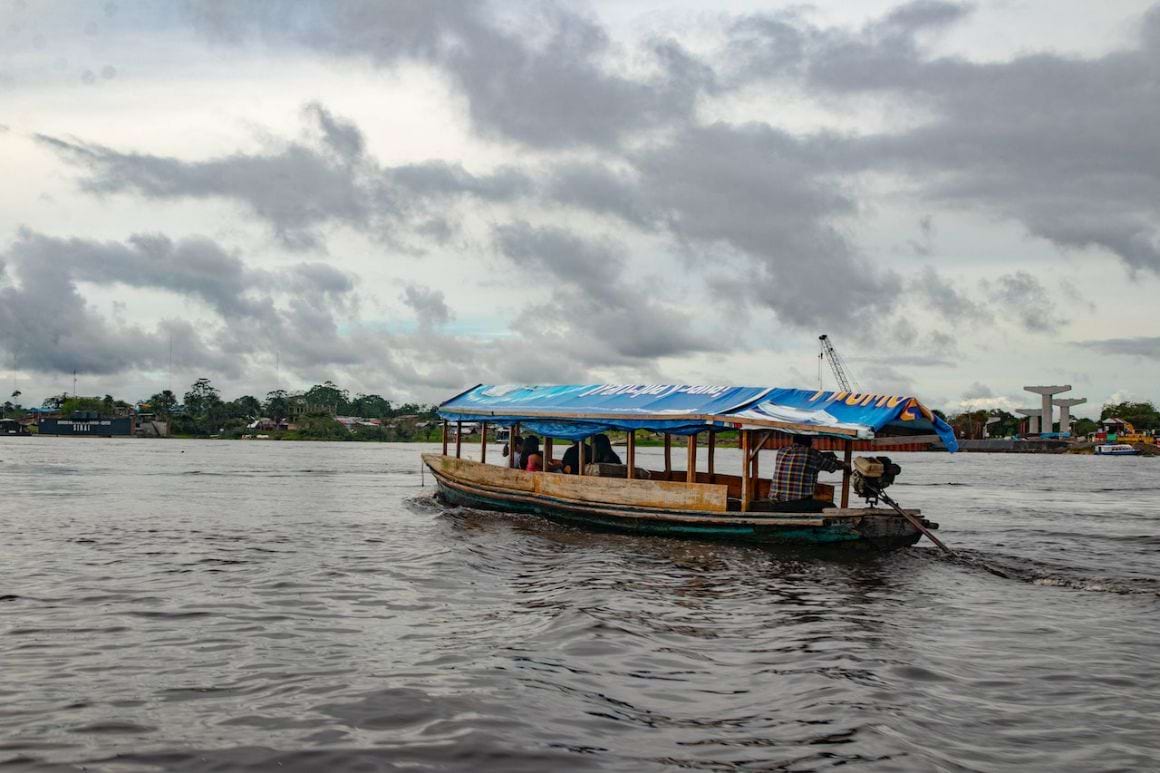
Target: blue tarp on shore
[(579, 410)]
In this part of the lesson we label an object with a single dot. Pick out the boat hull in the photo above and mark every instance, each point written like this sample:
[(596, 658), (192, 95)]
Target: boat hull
[(867, 529)]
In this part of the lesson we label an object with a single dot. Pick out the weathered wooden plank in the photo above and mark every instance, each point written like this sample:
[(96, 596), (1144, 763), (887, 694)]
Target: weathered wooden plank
[(608, 491), (484, 474), (631, 454), (636, 493)]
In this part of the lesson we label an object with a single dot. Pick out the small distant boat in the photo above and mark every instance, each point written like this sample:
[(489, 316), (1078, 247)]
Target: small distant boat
[(706, 504), (1116, 449)]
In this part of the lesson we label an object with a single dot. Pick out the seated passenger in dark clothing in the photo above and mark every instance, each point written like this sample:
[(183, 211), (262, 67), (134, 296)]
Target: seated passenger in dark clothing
[(602, 452), (571, 458), (795, 476)]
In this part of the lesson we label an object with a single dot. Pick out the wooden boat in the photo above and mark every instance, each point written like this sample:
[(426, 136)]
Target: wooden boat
[(690, 502)]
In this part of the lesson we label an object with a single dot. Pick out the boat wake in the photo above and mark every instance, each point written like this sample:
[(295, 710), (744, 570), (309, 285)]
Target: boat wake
[(1030, 571)]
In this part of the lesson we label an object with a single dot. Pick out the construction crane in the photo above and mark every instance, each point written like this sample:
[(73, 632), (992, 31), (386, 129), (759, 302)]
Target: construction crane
[(837, 365)]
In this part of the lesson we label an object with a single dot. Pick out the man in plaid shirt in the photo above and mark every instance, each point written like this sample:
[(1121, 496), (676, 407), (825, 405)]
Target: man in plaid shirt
[(796, 474)]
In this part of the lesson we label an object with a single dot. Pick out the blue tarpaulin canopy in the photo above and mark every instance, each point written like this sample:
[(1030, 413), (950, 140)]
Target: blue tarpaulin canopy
[(580, 410)]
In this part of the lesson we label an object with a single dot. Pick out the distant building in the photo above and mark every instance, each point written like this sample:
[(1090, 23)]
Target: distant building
[(88, 424)]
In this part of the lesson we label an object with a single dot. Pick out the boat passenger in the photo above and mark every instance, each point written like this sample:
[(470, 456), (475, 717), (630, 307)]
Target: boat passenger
[(795, 475), (570, 462), (602, 452), (530, 456), (514, 447)]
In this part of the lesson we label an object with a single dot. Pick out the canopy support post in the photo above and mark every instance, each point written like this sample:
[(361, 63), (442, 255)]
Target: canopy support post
[(668, 456), (580, 456), (445, 437), (712, 450), (458, 438), (547, 454), (631, 454), (746, 492), (847, 452), (757, 461), (483, 443), (691, 465)]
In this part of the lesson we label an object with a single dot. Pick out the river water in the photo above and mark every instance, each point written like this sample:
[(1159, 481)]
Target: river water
[(216, 605)]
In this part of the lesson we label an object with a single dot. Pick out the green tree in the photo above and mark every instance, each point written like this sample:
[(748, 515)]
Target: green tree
[(1083, 427), (370, 406), (203, 407), (321, 428), (163, 403), (277, 405), (327, 398), (11, 408), (88, 404), (969, 424), (1142, 415), (1007, 425), (245, 407)]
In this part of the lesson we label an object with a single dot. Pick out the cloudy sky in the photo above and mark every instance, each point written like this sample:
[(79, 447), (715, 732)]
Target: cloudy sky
[(413, 197)]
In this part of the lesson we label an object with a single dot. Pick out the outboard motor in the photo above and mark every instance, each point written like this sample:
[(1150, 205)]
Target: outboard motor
[(871, 475)]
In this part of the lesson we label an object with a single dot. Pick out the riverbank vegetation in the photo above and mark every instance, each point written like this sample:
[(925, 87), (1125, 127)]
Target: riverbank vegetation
[(326, 411)]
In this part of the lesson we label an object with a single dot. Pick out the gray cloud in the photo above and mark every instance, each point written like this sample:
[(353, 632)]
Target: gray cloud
[(1146, 347), (1063, 145), (47, 326), (772, 199), (594, 316), (1019, 295), (196, 267), (907, 360), (977, 391), (951, 303), (600, 189), (436, 179), (886, 379), (298, 188), (543, 74), (302, 313), (342, 136), (429, 305)]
